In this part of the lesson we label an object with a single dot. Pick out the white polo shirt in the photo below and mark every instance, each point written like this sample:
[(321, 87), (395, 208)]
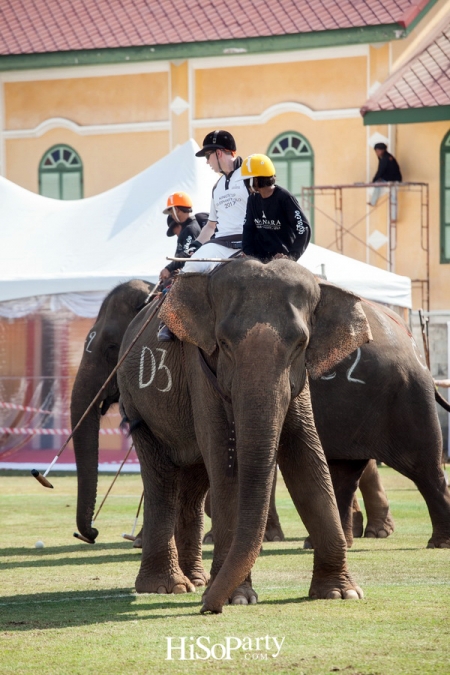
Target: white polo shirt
[(229, 204)]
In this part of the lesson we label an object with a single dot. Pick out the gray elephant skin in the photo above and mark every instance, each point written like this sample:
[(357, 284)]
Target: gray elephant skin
[(259, 327)]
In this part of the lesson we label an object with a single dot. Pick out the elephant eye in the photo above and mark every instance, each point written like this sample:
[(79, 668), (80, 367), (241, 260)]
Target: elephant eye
[(223, 344)]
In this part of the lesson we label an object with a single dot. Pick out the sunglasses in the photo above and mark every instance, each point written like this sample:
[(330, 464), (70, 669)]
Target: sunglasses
[(208, 153)]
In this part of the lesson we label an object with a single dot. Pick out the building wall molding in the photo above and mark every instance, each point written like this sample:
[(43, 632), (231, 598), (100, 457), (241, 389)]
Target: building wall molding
[(86, 130), (275, 111)]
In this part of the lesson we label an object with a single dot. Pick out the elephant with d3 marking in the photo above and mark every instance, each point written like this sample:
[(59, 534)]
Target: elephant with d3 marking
[(259, 328)]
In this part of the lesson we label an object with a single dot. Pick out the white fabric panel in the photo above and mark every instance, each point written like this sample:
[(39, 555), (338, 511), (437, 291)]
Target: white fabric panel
[(86, 305), (365, 280)]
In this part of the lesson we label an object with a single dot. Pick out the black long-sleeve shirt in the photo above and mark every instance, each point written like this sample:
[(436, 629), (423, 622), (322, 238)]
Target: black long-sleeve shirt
[(388, 169), (190, 230), (274, 225)]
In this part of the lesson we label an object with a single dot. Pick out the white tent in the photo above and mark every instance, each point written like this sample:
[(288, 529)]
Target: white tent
[(61, 248)]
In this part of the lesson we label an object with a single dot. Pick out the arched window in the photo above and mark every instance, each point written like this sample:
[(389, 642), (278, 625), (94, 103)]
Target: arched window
[(445, 199), (61, 174), (293, 158)]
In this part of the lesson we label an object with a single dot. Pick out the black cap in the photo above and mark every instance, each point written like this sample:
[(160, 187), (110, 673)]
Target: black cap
[(171, 222), (380, 146), (217, 140)]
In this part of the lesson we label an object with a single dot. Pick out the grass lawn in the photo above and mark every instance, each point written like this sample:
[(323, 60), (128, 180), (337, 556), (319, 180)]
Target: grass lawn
[(70, 608)]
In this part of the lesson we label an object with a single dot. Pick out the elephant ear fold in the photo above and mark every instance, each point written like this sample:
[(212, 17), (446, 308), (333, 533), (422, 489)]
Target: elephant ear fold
[(187, 312), (339, 327)]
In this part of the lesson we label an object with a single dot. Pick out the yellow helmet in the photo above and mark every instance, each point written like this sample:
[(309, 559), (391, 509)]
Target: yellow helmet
[(257, 165)]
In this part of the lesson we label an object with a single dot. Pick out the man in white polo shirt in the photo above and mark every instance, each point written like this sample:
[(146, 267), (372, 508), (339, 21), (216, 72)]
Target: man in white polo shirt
[(222, 235)]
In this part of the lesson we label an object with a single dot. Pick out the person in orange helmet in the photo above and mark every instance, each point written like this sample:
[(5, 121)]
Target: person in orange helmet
[(184, 226), (187, 228)]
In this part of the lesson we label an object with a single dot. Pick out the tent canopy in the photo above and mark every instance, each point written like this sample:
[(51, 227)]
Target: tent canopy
[(53, 247)]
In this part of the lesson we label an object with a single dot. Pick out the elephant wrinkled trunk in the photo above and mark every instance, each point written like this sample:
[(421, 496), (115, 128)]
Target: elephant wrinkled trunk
[(259, 412), (86, 447)]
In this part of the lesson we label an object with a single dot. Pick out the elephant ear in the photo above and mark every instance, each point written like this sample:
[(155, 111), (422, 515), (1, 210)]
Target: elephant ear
[(188, 313), (339, 327)]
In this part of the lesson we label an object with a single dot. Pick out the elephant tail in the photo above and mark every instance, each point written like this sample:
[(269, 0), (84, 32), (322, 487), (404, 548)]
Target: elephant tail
[(441, 400)]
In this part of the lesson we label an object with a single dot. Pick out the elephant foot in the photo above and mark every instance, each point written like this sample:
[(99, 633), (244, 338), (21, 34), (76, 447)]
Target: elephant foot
[(439, 542), (137, 543), (197, 575), (163, 583), (208, 538), (380, 529), (242, 595), (307, 544), (334, 588), (357, 524), (274, 533)]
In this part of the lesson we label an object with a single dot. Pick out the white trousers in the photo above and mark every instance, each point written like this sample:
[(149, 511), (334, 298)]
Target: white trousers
[(208, 250)]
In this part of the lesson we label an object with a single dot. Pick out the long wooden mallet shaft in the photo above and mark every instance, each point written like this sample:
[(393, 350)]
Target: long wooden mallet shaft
[(216, 260), (131, 536), (42, 479)]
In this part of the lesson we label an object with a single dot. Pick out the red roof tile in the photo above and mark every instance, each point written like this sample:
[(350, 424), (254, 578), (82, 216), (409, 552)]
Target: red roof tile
[(422, 82), (39, 26)]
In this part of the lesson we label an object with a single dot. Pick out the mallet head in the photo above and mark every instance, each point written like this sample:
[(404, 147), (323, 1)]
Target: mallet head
[(41, 479)]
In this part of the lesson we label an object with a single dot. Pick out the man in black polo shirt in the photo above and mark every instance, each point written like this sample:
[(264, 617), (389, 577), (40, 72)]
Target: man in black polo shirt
[(275, 226)]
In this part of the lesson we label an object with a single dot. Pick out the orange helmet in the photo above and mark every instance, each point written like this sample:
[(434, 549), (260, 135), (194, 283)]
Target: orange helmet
[(178, 199)]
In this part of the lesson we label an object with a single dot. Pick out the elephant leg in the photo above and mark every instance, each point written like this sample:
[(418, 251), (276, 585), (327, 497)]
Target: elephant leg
[(345, 475), (160, 571), (380, 523), (430, 481), (273, 526), (305, 471), (189, 523)]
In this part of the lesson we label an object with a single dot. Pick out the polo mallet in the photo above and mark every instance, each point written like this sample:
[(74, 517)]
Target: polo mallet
[(42, 478), (424, 327), (131, 536), (216, 260), (80, 536)]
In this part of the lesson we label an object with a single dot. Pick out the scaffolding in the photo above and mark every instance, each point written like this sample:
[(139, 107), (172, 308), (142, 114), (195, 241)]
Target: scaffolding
[(356, 228)]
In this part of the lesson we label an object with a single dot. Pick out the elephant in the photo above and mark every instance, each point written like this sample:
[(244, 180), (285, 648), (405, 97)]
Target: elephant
[(383, 403), (216, 406)]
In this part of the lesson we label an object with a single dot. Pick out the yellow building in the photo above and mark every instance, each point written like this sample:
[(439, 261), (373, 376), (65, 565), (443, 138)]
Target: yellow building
[(87, 101)]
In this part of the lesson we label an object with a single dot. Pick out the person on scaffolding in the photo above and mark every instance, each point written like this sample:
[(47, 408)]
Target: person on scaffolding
[(275, 225), (186, 227), (388, 172)]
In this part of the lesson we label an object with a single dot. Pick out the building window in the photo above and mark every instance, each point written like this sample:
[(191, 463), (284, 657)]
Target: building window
[(445, 199), (293, 158), (61, 174)]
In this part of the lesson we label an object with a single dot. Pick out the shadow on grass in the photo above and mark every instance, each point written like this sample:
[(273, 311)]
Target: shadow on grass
[(79, 608)]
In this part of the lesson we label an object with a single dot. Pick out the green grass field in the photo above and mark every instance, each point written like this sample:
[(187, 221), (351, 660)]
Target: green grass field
[(70, 608)]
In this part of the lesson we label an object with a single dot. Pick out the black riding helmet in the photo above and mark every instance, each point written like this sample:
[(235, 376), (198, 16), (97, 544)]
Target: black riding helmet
[(217, 140)]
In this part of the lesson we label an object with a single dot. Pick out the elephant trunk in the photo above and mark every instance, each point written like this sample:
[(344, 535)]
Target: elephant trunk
[(85, 443), (260, 410)]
